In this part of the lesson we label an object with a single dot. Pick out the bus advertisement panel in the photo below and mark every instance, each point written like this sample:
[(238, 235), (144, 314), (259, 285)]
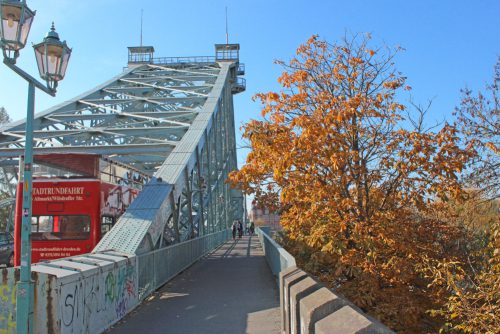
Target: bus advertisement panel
[(69, 217)]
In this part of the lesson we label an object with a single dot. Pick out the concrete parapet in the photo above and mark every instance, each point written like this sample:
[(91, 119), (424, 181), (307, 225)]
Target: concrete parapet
[(348, 320), (277, 257), (298, 291), (317, 306), (309, 308), (281, 283), (291, 278)]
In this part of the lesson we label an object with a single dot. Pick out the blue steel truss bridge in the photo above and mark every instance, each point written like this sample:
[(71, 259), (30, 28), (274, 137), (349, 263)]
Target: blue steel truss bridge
[(170, 119)]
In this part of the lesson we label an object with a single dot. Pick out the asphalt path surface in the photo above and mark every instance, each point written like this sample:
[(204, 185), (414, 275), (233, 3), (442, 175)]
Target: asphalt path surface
[(230, 291)]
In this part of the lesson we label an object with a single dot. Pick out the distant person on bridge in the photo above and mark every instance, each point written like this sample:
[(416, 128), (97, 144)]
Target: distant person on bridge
[(240, 229), (234, 227), (252, 228)]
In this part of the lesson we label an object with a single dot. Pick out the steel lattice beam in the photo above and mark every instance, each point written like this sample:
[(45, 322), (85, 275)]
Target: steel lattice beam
[(172, 121)]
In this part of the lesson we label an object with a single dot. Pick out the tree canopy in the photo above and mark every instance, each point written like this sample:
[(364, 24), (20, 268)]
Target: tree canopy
[(358, 178), (478, 118)]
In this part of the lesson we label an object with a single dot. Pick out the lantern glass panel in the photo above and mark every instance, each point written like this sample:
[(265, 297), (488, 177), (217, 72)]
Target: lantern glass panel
[(11, 16), (25, 29), (65, 64), (54, 55), (40, 55)]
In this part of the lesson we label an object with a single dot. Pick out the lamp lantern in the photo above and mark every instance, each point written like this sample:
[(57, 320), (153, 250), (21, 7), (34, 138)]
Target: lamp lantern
[(15, 24), (52, 57)]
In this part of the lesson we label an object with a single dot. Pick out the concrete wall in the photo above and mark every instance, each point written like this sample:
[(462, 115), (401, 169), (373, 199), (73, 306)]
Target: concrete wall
[(277, 257), (89, 293), (307, 307), (82, 294)]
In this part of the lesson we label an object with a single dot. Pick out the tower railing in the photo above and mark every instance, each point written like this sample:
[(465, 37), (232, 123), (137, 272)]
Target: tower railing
[(188, 60)]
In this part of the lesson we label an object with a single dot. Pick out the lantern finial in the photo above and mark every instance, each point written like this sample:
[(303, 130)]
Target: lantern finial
[(52, 33)]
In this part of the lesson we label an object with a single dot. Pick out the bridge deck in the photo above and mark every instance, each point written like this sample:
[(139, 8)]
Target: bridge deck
[(230, 291)]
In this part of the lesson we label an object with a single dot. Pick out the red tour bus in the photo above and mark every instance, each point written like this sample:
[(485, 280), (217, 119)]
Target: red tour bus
[(70, 214)]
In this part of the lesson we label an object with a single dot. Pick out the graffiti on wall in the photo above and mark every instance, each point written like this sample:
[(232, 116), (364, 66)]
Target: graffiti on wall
[(91, 304), (120, 289), (7, 303)]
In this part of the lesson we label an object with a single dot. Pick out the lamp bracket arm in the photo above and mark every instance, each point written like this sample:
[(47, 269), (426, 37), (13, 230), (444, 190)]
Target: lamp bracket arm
[(29, 78)]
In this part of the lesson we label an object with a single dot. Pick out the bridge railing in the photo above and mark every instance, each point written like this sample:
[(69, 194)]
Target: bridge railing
[(277, 257), (158, 267), (179, 60)]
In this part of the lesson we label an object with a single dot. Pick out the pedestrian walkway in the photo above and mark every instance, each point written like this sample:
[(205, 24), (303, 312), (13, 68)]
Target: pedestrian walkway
[(230, 291)]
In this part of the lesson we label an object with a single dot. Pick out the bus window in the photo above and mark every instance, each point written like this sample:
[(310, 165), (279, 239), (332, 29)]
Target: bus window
[(41, 224), (106, 224), (45, 224), (74, 227), (34, 224)]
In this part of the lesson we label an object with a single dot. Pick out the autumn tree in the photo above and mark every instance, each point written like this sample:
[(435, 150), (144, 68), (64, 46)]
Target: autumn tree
[(478, 118), (352, 175), (473, 303)]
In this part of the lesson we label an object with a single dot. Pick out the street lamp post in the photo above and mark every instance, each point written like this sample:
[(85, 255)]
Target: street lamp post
[(52, 58)]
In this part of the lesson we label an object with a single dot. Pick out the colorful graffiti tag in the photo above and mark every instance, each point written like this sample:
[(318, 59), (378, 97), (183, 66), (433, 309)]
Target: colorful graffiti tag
[(92, 304), (7, 303)]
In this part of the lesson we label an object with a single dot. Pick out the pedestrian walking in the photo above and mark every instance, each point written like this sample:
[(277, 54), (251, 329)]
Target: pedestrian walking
[(240, 229), (233, 228)]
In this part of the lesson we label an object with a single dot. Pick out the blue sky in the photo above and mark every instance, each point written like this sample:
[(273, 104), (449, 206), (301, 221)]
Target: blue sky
[(449, 44)]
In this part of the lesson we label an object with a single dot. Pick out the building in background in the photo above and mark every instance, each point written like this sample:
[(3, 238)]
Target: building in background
[(263, 217)]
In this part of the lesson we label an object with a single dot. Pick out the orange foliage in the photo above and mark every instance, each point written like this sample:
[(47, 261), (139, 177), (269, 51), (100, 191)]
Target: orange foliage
[(335, 156), (472, 304)]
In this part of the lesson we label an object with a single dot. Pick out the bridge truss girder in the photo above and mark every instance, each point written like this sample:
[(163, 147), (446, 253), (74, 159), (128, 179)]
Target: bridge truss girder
[(173, 122)]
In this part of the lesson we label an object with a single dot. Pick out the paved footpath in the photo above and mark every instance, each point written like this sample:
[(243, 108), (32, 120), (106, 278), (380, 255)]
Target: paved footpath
[(230, 291)]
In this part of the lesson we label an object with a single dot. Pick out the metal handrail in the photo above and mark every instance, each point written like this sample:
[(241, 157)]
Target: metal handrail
[(183, 60), (241, 82), (159, 266)]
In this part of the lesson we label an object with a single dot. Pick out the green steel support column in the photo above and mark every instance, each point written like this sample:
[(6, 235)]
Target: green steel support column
[(189, 203), (210, 183), (201, 221), (226, 206), (227, 150), (217, 161), (206, 167), (24, 312)]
